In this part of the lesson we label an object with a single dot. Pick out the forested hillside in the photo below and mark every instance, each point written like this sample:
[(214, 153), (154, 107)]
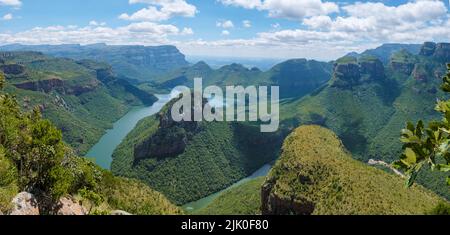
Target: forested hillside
[(33, 158), (82, 98)]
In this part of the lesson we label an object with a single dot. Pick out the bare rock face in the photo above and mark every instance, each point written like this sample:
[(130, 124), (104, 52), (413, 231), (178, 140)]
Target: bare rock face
[(428, 49), (119, 212), (67, 206), (25, 204), (14, 69), (442, 52), (420, 73), (57, 84), (170, 140), (353, 72)]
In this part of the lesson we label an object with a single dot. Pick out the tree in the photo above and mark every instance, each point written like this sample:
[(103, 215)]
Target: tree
[(427, 146), (2, 80)]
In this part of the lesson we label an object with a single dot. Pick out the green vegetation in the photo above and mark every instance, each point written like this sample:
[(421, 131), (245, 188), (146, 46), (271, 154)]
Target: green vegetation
[(215, 156), (428, 147), (33, 158), (82, 98), (296, 78), (244, 199), (134, 63), (316, 175), (367, 115)]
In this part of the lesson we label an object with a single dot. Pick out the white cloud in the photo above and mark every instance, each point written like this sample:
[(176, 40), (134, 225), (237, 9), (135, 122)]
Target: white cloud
[(95, 23), (247, 24), (187, 31), (288, 9), (226, 24), (248, 4), (142, 33), (160, 10), (225, 32), (13, 3), (275, 26), (7, 17)]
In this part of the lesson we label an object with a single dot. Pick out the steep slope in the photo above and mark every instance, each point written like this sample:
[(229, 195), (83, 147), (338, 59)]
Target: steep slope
[(296, 78), (189, 160), (33, 158), (316, 175), (139, 63), (244, 199), (367, 105), (83, 98)]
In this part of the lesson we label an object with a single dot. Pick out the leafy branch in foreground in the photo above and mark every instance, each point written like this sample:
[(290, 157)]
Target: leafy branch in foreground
[(427, 147)]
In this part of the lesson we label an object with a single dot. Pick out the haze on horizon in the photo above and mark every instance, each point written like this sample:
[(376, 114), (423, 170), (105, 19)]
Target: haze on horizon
[(313, 29)]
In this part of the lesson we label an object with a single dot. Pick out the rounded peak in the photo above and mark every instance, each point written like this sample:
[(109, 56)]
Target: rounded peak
[(347, 60)]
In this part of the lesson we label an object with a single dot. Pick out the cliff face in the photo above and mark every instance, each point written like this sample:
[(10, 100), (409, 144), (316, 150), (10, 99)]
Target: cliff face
[(140, 63), (349, 71), (316, 175), (171, 138), (58, 85), (440, 51)]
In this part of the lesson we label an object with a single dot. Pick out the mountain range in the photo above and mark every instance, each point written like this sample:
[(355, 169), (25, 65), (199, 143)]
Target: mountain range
[(351, 110)]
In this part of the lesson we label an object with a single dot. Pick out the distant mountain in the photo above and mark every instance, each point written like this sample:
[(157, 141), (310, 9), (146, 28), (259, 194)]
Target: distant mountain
[(82, 98), (385, 51), (367, 104), (139, 63), (295, 77), (316, 175), (217, 62)]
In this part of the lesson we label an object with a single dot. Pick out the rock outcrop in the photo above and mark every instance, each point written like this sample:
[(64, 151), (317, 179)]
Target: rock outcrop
[(170, 139), (58, 85), (25, 204), (67, 206), (14, 69), (428, 49), (119, 212), (351, 71), (440, 51)]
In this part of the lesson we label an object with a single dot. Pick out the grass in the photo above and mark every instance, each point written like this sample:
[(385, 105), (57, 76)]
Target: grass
[(315, 168), (244, 199)]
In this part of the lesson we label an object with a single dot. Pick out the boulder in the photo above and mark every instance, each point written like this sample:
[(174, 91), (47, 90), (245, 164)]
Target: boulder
[(67, 206), (24, 204), (119, 212)]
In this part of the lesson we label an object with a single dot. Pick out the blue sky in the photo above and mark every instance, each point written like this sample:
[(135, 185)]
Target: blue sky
[(317, 29)]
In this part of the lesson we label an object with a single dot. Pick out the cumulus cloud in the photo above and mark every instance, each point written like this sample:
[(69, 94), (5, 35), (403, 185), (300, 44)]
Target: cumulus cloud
[(247, 24), (160, 10), (225, 32), (358, 27), (142, 33), (7, 17), (226, 24), (95, 23), (13, 3), (289, 9)]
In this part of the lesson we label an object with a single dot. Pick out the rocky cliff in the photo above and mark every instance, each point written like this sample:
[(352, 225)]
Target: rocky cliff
[(350, 71), (141, 63), (439, 51), (171, 138)]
